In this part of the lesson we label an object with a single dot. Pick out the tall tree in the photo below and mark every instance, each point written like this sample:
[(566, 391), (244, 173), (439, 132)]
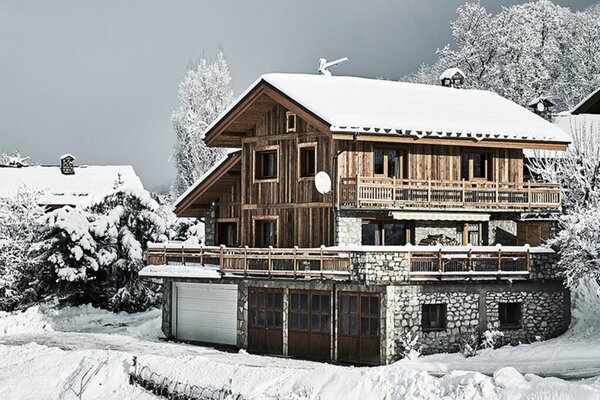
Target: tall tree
[(526, 50), (204, 93)]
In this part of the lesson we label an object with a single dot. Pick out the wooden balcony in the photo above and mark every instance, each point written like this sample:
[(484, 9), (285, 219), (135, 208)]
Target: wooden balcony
[(475, 263), (271, 262), (383, 192)]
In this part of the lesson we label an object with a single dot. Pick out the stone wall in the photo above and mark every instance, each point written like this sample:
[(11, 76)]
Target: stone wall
[(472, 309), (166, 307), (348, 230), (544, 266), (426, 228), (210, 226), (380, 267)]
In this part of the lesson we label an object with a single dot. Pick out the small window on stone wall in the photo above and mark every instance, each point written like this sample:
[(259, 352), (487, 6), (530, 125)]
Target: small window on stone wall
[(433, 317), (509, 315)]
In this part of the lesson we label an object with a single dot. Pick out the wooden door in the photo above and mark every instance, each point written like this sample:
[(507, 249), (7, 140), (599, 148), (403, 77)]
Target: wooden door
[(310, 324), (358, 327), (265, 321)]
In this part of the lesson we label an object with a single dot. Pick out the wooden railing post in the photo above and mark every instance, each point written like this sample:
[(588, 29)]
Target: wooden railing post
[(529, 194), (246, 260), (499, 260), (497, 189), (357, 190), (464, 190), (528, 261), (221, 258), (295, 261), (470, 260), (393, 190), (270, 261), (440, 264), (202, 255), (182, 256), (429, 190), (321, 260)]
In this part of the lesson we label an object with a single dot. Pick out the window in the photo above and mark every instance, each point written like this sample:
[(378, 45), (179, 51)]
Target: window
[(433, 317), (227, 233), (266, 164), (265, 308), (308, 158), (309, 311), (389, 162), (476, 166), (473, 233), (509, 315), (359, 314), (265, 232), (290, 122), (376, 233)]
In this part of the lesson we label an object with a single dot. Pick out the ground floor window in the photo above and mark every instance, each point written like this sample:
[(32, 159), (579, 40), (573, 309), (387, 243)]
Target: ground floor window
[(509, 315), (433, 317), (387, 233)]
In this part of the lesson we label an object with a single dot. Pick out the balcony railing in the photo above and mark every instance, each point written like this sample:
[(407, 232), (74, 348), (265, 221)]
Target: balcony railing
[(411, 193), (472, 263), (270, 262)]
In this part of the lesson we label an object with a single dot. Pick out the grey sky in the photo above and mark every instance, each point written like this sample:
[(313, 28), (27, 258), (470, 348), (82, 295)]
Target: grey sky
[(99, 78)]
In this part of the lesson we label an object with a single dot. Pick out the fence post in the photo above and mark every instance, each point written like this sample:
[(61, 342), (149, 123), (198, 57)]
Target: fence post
[(528, 261), (440, 264), (463, 192), (497, 196), (321, 261), (221, 257), (429, 190), (529, 194), (470, 260), (202, 255), (499, 261), (164, 255), (182, 256)]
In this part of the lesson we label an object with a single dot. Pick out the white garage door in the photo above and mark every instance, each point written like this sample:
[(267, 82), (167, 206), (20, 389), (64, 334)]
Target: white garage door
[(205, 312)]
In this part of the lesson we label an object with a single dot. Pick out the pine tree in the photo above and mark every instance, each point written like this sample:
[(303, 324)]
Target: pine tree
[(203, 94)]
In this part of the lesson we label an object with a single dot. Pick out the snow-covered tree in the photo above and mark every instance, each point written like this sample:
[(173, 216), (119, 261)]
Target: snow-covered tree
[(125, 221), (19, 229), (526, 50), (203, 94)]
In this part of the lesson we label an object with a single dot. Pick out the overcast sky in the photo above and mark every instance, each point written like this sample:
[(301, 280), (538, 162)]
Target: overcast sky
[(98, 79)]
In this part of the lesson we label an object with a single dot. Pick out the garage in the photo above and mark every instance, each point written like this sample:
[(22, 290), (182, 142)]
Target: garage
[(310, 324), (265, 321), (358, 325), (205, 312)]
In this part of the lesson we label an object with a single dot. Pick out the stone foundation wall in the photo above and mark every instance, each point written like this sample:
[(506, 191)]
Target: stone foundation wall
[(380, 267), (544, 266), (502, 231), (210, 227), (472, 309), (166, 307)]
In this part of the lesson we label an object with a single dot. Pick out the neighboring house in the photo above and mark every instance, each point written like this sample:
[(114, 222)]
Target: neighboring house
[(66, 184), (417, 236)]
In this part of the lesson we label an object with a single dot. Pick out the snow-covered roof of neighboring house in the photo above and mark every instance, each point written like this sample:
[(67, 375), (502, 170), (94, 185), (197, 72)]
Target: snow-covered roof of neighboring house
[(450, 72), (87, 183), (589, 103), (379, 107)]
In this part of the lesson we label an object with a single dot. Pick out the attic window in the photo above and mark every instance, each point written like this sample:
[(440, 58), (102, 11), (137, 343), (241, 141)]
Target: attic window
[(290, 122)]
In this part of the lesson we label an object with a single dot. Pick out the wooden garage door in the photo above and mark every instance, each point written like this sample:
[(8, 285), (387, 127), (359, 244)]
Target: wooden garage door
[(358, 324), (205, 312), (265, 321), (309, 334)]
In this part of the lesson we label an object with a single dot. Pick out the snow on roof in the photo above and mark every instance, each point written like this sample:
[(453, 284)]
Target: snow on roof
[(180, 271), (205, 176), (58, 189), (372, 106), (450, 72), (67, 155), (582, 102)]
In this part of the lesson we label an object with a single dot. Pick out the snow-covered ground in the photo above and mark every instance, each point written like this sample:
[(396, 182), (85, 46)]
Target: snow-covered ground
[(46, 353)]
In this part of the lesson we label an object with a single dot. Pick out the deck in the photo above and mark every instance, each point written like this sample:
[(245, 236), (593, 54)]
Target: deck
[(423, 262), (361, 192)]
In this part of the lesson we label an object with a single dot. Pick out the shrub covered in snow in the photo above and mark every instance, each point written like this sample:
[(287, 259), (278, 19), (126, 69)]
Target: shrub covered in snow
[(409, 344)]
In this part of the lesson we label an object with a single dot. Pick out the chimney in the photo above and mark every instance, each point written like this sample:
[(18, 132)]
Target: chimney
[(67, 164), (541, 106), (452, 77)]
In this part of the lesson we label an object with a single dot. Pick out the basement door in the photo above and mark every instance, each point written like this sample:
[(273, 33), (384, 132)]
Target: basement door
[(265, 320), (309, 334), (358, 324), (205, 312)]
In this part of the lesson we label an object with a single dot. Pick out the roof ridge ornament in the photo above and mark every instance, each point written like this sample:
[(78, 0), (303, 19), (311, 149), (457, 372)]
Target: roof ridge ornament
[(324, 65)]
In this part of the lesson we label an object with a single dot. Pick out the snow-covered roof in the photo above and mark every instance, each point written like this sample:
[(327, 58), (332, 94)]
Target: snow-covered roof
[(575, 109), (205, 176), (380, 107), (87, 183), (67, 155), (450, 72)]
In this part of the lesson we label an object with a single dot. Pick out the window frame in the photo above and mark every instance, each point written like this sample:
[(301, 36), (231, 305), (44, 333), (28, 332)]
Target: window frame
[(408, 230), (291, 116), (489, 165), (300, 148), (260, 219), (444, 317), (257, 164), (505, 325), (358, 315), (234, 221), (462, 229), (403, 159)]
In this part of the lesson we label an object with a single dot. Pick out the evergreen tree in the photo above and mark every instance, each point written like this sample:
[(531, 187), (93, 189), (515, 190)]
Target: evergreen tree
[(203, 94)]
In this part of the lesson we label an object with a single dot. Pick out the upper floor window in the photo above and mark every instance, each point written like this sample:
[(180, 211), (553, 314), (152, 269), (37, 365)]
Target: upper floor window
[(377, 233), (389, 162), (290, 122), (227, 233), (475, 165), (308, 159), (266, 163)]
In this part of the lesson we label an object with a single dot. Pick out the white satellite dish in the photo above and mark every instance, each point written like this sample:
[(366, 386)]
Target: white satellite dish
[(323, 182)]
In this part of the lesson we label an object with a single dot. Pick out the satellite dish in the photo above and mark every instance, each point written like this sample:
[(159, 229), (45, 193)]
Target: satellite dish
[(323, 182)]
